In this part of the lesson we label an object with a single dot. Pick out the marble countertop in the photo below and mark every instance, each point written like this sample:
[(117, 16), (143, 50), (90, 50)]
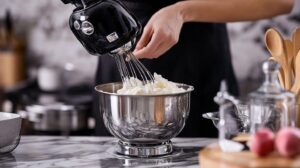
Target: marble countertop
[(94, 152)]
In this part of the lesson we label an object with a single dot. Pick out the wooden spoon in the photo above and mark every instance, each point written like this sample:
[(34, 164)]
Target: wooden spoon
[(289, 57), (275, 45), (296, 45), (296, 41), (296, 87)]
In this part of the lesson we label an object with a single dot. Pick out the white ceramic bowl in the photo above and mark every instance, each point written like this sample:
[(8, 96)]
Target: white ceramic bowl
[(10, 126)]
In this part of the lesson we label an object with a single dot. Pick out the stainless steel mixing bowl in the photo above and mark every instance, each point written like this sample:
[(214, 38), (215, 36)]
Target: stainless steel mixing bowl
[(143, 119)]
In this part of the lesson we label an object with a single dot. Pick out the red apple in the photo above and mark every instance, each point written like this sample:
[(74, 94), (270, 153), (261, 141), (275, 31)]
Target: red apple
[(262, 142), (288, 142)]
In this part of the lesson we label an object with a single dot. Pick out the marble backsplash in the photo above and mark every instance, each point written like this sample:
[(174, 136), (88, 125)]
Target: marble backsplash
[(51, 43)]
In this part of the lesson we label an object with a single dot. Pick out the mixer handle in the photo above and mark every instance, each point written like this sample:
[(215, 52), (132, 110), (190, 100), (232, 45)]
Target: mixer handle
[(79, 3)]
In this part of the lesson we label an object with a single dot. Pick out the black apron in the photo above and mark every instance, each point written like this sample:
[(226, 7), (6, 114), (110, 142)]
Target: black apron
[(201, 58)]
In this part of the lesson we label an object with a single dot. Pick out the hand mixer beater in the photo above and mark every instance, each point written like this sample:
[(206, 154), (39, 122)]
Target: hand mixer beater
[(105, 27), (131, 69)]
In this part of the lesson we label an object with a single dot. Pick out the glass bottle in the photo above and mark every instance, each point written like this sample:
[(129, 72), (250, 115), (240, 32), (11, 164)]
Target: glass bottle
[(271, 106)]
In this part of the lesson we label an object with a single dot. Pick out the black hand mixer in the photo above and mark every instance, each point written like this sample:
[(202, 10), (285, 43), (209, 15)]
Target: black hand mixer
[(106, 27)]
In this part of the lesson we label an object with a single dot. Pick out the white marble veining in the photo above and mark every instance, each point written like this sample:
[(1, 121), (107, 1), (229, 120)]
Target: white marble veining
[(95, 152)]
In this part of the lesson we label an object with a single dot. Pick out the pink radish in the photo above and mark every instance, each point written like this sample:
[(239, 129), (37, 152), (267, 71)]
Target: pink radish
[(288, 142), (262, 143)]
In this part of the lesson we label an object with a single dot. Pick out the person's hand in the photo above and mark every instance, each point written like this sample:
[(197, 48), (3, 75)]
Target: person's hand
[(160, 34)]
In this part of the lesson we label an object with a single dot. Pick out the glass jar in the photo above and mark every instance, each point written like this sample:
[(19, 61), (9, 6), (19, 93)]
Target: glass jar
[(270, 105)]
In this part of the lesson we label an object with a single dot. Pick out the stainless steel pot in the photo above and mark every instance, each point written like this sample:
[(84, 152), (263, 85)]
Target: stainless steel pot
[(57, 117), (143, 120)]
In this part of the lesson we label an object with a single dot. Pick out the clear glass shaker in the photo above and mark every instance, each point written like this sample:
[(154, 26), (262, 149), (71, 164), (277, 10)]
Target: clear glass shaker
[(270, 105)]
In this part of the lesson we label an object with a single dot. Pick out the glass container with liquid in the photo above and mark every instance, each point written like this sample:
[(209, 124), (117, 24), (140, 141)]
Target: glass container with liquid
[(271, 106)]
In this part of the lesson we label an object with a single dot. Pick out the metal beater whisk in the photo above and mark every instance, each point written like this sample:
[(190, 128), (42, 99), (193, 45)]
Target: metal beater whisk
[(130, 67)]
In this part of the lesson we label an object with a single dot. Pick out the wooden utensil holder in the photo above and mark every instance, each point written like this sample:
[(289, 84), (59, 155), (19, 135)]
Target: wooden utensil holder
[(12, 69)]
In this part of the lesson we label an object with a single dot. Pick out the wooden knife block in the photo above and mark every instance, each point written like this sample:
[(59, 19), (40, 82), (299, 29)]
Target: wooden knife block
[(12, 69)]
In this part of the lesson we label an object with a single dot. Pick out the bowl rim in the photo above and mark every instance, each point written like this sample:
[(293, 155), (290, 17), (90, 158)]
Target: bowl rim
[(9, 116), (189, 90)]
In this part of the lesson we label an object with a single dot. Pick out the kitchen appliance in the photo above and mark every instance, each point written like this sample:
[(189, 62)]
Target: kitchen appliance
[(144, 124), (10, 125), (105, 27)]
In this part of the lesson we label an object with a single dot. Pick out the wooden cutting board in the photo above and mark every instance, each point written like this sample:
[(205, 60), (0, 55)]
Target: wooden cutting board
[(213, 157)]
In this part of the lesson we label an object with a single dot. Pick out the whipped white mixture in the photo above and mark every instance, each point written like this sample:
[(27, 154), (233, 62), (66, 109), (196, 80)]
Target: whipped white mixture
[(160, 86)]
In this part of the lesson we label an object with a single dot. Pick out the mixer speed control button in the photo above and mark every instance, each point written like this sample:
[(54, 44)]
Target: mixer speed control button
[(87, 28), (76, 25), (112, 37)]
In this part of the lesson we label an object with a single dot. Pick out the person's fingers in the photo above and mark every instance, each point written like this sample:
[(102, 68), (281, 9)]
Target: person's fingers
[(147, 51), (163, 47), (159, 44), (145, 38)]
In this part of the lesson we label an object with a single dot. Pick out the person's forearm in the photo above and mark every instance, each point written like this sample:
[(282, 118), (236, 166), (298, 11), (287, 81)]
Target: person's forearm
[(231, 10)]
